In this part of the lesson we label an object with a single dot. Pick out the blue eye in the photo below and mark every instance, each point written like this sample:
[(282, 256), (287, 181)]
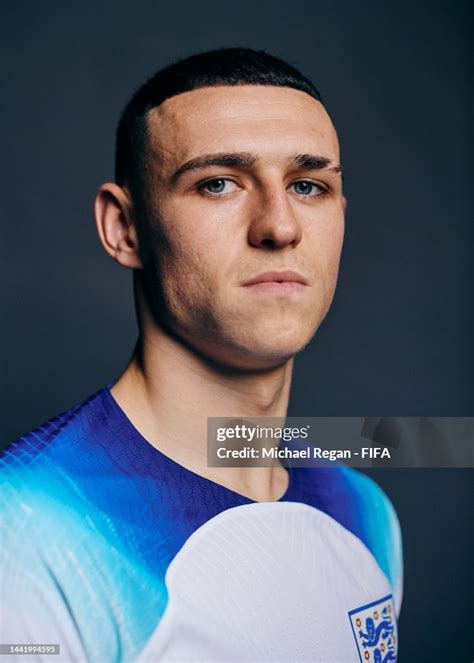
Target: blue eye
[(218, 186), (307, 189)]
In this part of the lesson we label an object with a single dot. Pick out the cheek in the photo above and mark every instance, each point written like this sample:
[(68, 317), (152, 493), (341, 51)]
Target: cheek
[(327, 236), (326, 257), (183, 263), (335, 241)]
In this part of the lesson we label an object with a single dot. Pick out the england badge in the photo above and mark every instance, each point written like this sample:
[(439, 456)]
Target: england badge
[(374, 626)]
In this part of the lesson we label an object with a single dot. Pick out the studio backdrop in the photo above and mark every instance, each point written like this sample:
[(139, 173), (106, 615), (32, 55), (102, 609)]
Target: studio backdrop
[(397, 340)]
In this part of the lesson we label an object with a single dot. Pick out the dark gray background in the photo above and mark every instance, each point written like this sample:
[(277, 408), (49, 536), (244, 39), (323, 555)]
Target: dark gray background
[(396, 342)]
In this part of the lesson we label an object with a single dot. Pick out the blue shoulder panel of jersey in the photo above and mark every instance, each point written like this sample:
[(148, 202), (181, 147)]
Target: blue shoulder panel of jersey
[(361, 506), (76, 536)]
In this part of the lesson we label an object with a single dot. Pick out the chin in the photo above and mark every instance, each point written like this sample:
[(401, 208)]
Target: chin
[(257, 347), (269, 355)]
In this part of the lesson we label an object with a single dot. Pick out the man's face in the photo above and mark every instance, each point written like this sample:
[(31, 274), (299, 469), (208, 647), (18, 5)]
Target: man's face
[(242, 181)]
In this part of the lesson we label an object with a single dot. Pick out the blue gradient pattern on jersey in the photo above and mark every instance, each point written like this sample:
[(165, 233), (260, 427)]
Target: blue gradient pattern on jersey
[(106, 513)]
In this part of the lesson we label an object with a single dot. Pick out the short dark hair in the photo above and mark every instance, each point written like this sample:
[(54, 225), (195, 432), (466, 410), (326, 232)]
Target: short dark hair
[(229, 66)]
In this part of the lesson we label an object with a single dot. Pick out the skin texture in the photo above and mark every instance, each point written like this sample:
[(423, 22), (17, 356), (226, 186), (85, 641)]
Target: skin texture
[(209, 345)]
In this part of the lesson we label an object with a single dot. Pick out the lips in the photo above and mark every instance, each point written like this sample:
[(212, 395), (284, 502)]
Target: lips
[(277, 277)]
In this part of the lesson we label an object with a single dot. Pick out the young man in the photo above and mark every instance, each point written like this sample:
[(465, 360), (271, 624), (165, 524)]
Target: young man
[(121, 544)]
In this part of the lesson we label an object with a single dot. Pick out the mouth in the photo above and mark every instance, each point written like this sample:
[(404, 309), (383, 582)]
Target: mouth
[(285, 282)]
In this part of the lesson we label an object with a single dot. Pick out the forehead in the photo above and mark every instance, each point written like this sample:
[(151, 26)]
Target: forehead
[(267, 120)]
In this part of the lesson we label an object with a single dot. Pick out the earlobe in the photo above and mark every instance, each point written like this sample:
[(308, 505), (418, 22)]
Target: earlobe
[(116, 226), (344, 203)]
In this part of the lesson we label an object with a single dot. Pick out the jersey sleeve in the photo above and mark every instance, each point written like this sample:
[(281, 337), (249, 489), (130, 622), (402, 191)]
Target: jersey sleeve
[(380, 529), (34, 608), (64, 579)]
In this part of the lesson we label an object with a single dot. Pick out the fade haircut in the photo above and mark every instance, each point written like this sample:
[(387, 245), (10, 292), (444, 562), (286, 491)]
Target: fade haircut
[(229, 66)]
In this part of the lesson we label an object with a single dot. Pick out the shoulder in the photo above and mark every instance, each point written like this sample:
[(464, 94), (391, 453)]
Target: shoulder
[(58, 443), (370, 499), (62, 555), (41, 478), (360, 505), (378, 526), (63, 426)]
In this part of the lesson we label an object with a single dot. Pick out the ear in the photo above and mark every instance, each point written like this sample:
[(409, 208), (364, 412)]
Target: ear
[(344, 203), (116, 226)]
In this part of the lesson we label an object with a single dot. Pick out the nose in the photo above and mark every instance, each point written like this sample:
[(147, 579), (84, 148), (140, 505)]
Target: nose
[(273, 223)]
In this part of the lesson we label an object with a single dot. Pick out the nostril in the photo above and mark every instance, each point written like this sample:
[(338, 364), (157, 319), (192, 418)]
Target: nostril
[(269, 243)]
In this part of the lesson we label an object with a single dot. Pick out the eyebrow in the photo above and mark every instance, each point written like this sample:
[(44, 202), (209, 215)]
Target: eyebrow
[(313, 162), (246, 160)]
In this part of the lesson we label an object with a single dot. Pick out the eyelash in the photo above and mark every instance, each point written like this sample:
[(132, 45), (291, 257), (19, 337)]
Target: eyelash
[(201, 188)]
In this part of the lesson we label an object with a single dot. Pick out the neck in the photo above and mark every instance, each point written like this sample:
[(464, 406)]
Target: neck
[(168, 392)]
